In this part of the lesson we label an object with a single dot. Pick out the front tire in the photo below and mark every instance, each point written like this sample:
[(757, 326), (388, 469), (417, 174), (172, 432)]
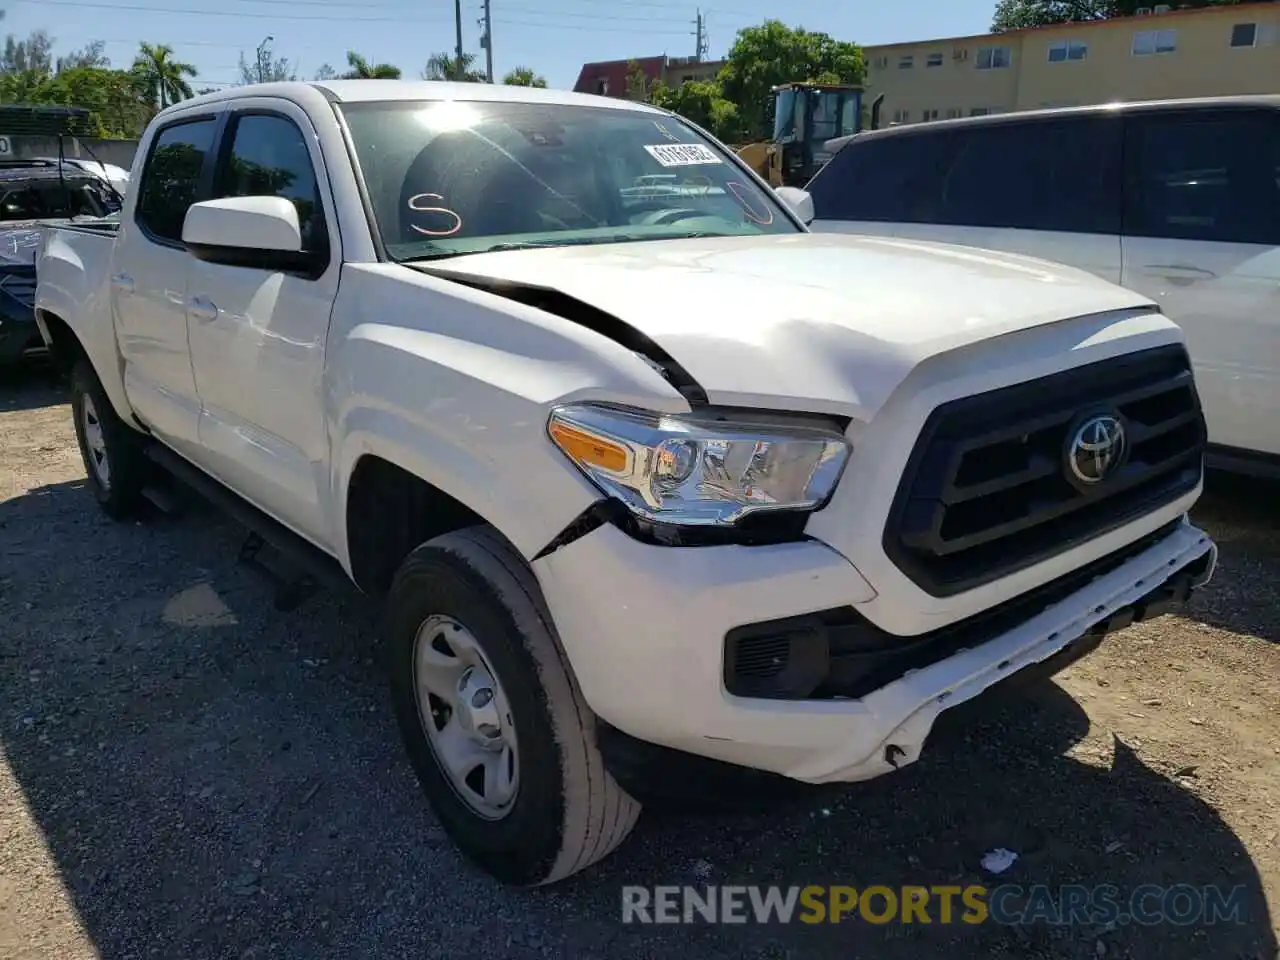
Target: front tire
[(112, 451), (502, 741)]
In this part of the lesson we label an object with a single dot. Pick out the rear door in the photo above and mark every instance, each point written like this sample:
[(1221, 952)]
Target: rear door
[(149, 280), (1202, 239)]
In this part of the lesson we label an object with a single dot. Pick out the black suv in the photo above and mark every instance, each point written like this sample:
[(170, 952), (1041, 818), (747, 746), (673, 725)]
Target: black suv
[(34, 193)]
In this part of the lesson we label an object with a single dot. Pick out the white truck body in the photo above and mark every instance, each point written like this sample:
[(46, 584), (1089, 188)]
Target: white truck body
[(451, 371)]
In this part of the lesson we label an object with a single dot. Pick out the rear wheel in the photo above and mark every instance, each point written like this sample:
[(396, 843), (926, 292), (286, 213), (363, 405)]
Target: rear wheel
[(497, 730), (112, 452)]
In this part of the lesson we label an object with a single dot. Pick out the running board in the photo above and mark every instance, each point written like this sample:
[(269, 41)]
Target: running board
[(317, 566)]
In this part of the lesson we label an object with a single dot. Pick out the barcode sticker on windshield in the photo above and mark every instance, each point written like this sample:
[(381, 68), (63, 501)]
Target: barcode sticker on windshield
[(682, 154)]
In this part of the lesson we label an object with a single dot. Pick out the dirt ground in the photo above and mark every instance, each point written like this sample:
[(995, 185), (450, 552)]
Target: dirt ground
[(186, 772)]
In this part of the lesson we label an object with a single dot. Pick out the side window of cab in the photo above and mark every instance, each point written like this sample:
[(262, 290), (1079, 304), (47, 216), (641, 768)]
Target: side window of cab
[(171, 178), (268, 157)]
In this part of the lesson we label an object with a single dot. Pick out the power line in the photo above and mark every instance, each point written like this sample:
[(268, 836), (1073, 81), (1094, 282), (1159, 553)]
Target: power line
[(88, 4), (226, 13)]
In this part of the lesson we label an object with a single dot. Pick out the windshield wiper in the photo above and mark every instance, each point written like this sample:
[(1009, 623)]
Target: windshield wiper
[(573, 242)]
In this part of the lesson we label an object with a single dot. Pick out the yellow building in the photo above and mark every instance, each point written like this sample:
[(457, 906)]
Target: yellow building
[(1156, 55)]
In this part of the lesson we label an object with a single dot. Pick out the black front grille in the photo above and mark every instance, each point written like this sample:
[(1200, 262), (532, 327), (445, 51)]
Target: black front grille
[(987, 491)]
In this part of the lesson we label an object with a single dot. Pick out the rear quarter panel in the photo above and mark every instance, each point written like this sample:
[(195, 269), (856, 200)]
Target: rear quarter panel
[(73, 269)]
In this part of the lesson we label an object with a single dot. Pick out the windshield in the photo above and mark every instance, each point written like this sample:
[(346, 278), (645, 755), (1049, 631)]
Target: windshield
[(784, 115), (452, 177)]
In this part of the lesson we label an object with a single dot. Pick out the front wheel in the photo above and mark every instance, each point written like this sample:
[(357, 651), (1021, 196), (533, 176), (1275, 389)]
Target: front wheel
[(498, 732), (112, 451)]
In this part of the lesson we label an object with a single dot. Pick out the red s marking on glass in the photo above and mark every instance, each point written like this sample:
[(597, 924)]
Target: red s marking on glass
[(442, 211)]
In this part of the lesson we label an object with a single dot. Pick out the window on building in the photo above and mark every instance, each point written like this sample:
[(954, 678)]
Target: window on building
[(935, 60), (954, 112), (1203, 176), (994, 58), (1244, 35), (1063, 50), (979, 112), (1147, 42), (602, 87), (906, 63), (880, 62), (929, 115), (901, 116)]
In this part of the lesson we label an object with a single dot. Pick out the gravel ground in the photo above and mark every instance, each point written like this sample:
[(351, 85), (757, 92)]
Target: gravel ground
[(187, 772)]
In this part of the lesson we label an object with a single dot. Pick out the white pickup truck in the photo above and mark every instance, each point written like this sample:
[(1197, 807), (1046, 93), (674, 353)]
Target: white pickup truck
[(647, 477)]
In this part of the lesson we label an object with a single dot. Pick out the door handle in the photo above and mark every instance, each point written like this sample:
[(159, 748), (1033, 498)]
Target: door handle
[(202, 309), (1180, 274), (122, 282)]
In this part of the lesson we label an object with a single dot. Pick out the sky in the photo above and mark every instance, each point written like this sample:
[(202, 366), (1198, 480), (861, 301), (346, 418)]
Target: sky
[(554, 37)]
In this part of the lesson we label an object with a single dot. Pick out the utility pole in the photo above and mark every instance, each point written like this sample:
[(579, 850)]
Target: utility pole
[(457, 19), (488, 42), (262, 73)]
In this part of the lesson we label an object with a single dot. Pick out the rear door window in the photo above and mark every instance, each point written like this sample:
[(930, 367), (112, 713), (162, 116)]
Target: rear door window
[(1201, 175), (171, 178), (1059, 175)]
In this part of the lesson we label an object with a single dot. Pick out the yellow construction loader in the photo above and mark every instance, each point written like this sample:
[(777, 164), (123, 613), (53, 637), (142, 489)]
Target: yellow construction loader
[(805, 117)]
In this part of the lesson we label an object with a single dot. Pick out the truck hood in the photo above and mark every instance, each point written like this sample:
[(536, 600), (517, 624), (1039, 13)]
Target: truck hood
[(819, 322)]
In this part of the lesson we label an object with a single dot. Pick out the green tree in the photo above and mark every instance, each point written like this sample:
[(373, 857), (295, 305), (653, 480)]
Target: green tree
[(446, 66), (163, 78), (326, 72), (773, 53), (524, 77), (1022, 14), (32, 55), (90, 55), (362, 69), (637, 82), (702, 102), (266, 68)]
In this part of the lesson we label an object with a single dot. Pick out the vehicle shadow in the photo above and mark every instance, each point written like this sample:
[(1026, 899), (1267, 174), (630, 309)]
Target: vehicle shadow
[(214, 778), (1243, 516), (30, 385)]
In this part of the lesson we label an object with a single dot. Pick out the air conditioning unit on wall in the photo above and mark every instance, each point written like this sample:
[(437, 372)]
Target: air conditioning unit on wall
[(1142, 12), (1162, 8)]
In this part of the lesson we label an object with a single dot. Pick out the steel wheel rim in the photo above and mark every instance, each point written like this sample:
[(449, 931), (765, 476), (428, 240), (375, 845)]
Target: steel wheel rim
[(466, 717), (95, 442)]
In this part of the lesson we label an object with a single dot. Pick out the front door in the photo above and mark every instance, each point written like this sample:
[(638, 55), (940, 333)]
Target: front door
[(258, 336), (149, 279), (1202, 239)]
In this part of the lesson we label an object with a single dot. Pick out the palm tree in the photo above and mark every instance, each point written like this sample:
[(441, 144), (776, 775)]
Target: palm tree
[(362, 69), (444, 66), (162, 78), (524, 77)]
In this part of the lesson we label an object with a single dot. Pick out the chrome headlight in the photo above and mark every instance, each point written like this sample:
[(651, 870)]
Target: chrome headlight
[(692, 471)]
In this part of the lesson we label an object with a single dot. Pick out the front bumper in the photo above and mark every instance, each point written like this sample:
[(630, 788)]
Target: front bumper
[(644, 628)]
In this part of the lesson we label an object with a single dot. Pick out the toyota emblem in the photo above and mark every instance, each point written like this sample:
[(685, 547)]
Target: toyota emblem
[(1097, 449)]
